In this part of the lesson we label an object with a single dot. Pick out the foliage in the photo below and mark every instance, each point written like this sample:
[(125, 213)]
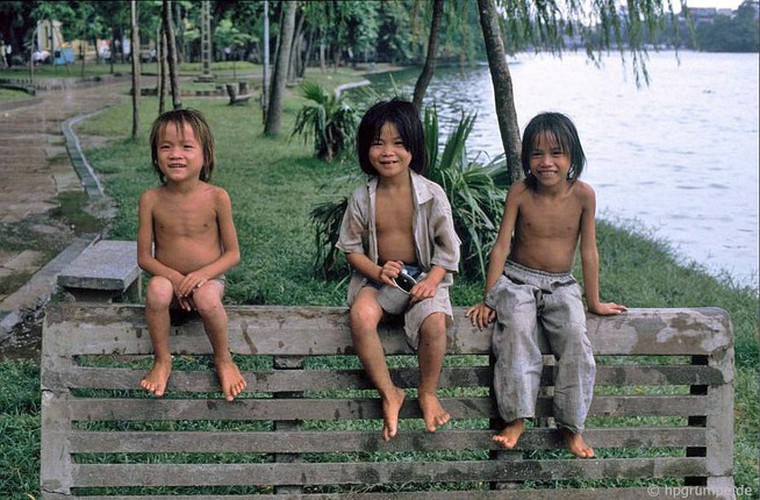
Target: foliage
[(328, 118), (726, 34), (476, 201), (326, 218)]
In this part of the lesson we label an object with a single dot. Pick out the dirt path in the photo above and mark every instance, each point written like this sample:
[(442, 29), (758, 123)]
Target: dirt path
[(35, 172)]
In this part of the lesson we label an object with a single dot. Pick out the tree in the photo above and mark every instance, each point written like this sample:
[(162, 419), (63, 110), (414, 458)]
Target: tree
[(429, 68), (171, 54), (506, 113), (135, 71), (274, 112)]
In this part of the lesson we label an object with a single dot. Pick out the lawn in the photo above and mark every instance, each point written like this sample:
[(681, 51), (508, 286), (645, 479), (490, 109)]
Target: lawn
[(274, 183)]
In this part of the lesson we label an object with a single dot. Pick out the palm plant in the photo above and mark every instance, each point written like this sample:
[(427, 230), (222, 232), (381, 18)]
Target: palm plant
[(328, 118), (471, 187), (476, 200)]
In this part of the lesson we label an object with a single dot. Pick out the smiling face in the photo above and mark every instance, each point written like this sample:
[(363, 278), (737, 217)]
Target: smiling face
[(179, 153), (549, 162), (388, 153)]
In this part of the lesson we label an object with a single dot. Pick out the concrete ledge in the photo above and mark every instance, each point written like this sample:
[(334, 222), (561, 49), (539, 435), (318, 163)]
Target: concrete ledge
[(104, 270), (37, 291)]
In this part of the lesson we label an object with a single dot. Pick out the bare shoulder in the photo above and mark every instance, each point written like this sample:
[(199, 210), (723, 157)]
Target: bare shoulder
[(517, 192), (150, 197), (220, 195), (584, 192)]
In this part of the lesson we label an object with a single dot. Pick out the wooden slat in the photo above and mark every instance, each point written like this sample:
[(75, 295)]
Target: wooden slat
[(370, 441), (98, 409), (86, 475), (525, 494), (326, 380), (270, 330)]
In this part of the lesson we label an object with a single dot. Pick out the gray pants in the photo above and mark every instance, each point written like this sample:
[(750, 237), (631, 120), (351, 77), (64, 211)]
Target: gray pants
[(529, 303)]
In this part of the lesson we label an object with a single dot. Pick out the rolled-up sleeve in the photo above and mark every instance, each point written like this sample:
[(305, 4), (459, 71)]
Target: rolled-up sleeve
[(445, 240), (353, 228)]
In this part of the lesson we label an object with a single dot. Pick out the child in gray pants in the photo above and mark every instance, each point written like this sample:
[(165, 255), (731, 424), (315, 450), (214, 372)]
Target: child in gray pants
[(529, 288)]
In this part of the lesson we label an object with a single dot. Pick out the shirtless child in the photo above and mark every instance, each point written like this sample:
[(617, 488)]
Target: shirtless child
[(399, 221), (529, 287), (186, 240)]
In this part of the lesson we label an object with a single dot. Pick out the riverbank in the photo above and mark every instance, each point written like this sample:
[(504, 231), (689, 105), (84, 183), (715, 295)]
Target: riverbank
[(273, 183)]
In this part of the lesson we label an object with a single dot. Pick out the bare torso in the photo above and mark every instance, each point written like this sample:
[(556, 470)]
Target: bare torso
[(185, 228), (547, 228), (394, 215)]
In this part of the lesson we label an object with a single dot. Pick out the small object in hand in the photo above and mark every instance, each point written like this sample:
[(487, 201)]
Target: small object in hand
[(405, 282)]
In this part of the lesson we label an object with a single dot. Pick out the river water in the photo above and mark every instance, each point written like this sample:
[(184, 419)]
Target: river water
[(677, 159)]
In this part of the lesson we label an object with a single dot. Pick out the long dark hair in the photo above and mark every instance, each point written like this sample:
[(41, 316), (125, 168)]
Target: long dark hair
[(405, 116), (561, 129), (178, 118)]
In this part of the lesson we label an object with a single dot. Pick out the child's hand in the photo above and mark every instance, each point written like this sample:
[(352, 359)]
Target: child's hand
[(423, 289), (607, 309), (480, 315), (182, 300), (390, 270), (190, 282)]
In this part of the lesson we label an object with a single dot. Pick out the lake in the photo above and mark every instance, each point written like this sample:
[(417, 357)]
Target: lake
[(677, 159)]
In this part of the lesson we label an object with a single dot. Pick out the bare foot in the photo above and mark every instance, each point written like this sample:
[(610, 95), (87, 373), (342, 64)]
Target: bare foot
[(432, 412), (509, 436), (391, 408), (577, 445), (155, 381), (231, 380)]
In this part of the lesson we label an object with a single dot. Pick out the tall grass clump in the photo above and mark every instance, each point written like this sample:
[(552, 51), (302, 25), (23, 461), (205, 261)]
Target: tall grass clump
[(328, 119)]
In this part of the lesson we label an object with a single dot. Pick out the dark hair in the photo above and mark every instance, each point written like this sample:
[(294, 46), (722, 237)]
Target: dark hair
[(179, 118), (561, 129), (405, 116)]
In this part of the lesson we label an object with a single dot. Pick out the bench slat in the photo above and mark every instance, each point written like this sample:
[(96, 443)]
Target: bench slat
[(378, 472), (325, 380), (267, 330), (97, 409), (368, 441)]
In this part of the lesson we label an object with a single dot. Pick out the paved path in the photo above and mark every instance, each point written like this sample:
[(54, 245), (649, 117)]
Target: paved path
[(34, 169)]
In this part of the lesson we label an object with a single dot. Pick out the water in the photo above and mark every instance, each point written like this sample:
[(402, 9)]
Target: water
[(678, 158)]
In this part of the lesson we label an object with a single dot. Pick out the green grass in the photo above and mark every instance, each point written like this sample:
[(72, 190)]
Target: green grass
[(12, 95), (274, 182)]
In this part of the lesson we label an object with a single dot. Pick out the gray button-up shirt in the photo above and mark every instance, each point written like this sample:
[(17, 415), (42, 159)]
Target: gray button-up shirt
[(436, 243)]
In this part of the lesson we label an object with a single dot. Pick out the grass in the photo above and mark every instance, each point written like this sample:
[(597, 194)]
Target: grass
[(12, 95), (274, 182)]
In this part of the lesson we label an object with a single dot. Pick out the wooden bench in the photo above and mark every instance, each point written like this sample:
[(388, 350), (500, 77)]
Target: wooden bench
[(661, 420), (239, 94), (105, 270)]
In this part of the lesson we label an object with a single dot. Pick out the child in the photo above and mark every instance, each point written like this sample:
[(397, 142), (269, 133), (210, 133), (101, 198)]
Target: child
[(399, 221), (186, 240), (544, 216)]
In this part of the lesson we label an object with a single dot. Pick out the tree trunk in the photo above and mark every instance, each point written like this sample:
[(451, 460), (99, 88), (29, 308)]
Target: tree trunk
[(295, 50), (429, 69), (171, 54), (135, 72), (265, 91), (162, 68), (502, 86), (274, 114)]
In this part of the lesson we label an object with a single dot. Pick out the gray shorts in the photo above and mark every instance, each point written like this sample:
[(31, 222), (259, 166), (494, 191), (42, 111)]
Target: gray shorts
[(530, 303), (416, 313)]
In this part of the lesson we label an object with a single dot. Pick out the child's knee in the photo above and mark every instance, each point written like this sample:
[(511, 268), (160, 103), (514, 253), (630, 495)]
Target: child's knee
[(207, 302), (365, 313), (434, 326), (159, 292)]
